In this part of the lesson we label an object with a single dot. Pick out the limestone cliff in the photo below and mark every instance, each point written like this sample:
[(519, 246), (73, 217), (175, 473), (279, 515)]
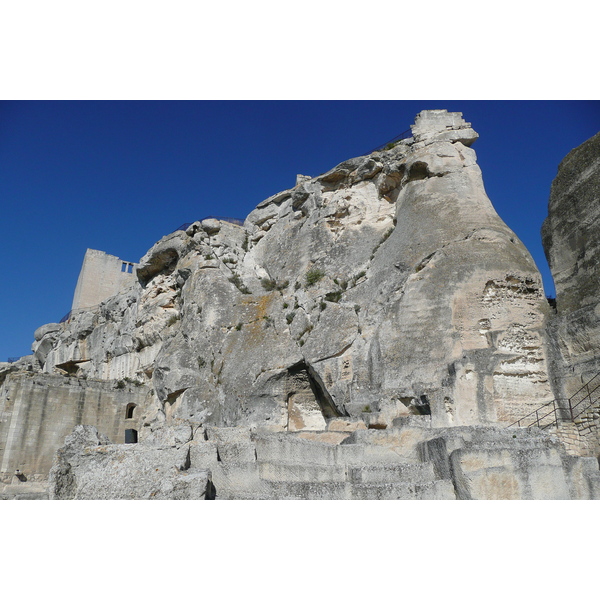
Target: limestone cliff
[(368, 333), (385, 287), (572, 246)]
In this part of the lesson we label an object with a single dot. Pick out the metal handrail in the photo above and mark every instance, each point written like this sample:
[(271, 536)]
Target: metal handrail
[(182, 227), (556, 410), (403, 136), (227, 219), (76, 311), (588, 395)]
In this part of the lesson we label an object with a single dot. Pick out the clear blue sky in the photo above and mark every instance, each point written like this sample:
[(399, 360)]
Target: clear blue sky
[(117, 176)]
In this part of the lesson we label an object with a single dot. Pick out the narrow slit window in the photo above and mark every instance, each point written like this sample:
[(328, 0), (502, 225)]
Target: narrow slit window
[(129, 410), (124, 267)]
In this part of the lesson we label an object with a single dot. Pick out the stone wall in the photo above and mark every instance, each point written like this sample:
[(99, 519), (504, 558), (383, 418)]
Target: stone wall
[(568, 433), (581, 437), (38, 411), (102, 276)]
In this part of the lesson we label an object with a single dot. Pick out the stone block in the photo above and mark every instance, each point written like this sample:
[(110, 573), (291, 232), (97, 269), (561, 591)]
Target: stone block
[(236, 452), (325, 437), (236, 480), (373, 454), (345, 425), (130, 471), (271, 471), (203, 454), (402, 473), (508, 474), (227, 435), (291, 450), (287, 490), (435, 490)]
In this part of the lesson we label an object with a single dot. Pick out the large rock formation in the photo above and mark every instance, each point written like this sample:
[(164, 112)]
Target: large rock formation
[(385, 294), (89, 467), (571, 239), (385, 287)]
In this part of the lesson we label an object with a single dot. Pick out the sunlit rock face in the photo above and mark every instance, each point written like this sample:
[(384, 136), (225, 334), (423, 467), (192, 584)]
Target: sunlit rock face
[(571, 239), (385, 287)]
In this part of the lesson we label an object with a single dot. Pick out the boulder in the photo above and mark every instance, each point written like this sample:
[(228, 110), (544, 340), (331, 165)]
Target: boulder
[(87, 468)]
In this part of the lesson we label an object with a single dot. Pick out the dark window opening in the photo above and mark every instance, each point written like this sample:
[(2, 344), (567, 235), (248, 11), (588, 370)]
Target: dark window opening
[(422, 405), (129, 410), (211, 491), (131, 436)]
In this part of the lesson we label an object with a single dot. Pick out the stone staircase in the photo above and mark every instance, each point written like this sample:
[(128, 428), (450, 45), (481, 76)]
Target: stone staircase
[(576, 423)]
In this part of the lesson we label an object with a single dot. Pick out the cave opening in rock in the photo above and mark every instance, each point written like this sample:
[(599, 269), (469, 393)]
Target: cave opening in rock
[(162, 262), (309, 405), (418, 170), (71, 367), (422, 406), (417, 406), (211, 491)]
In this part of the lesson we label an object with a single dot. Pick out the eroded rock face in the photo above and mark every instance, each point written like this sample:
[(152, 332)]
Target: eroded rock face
[(572, 245), (386, 287), (408, 461), (88, 467)]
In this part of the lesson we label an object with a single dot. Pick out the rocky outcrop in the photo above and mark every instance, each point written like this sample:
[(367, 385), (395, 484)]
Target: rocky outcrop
[(571, 239), (88, 467), (384, 287), (368, 333)]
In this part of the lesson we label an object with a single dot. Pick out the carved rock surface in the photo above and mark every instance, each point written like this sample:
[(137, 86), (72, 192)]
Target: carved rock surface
[(389, 282), (367, 334), (87, 467), (409, 461), (571, 238)]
